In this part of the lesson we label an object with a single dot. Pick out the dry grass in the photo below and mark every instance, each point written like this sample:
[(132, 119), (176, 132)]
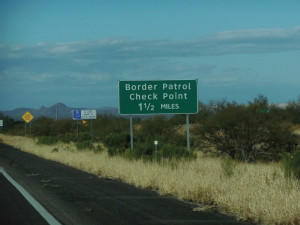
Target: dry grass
[(257, 193), (296, 129)]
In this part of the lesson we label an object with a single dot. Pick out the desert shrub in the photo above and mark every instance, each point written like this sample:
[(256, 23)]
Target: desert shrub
[(84, 136), (64, 126), (81, 145), (292, 111), (156, 128), (146, 151), (291, 164), (113, 151), (169, 151), (141, 150), (47, 140), (117, 140), (43, 126), (8, 123), (98, 149), (104, 125), (248, 132), (180, 140), (67, 138)]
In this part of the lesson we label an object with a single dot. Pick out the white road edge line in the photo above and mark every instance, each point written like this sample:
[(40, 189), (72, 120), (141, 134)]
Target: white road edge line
[(38, 207)]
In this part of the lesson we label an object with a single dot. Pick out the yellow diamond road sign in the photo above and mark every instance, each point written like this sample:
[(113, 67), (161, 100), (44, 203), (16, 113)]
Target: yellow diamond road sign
[(27, 117)]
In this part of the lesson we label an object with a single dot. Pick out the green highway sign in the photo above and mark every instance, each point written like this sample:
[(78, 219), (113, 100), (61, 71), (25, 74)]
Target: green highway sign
[(158, 97)]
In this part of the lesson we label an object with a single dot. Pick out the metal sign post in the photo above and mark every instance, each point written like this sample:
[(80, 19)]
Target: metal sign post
[(188, 132), (91, 130), (77, 130), (158, 97), (155, 143), (131, 134), (27, 117), (85, 114), (1, 125)]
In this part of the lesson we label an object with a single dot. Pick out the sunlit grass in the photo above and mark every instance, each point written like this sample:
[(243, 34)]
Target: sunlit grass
[(253, 192)]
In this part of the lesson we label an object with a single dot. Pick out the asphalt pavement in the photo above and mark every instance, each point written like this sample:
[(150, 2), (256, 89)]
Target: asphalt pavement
[(76, 197)]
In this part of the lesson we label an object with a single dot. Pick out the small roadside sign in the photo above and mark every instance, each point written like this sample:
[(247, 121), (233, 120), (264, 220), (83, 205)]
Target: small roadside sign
[(1, 123), (88, 114), (76, 114), (27, 117), (85, 114)]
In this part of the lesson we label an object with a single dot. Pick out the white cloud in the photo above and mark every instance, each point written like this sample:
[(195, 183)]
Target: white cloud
[(105, 61), (228, 42)]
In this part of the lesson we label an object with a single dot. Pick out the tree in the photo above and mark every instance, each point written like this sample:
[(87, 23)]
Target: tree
[(157, 128), (42, 126), (293, 111), (8, 123), (247, 132)]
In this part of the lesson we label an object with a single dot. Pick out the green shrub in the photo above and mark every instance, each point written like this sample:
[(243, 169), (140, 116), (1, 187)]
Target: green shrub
[(146, 151), (113, 151), (248, 132), (67, 138), (117, 140), (169, 151), (85, 136), (291, 164), (47, 140), (84, 145), (98, 149), (42, 126)]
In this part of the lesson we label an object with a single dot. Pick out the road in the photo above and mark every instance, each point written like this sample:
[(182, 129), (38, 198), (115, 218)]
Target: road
[(76, 197)]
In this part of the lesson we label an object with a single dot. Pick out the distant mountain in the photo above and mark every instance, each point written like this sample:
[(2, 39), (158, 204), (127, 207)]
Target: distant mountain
[(63, 111)]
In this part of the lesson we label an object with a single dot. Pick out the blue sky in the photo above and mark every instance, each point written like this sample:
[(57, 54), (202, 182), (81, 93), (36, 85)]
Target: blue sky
[(75, 52)]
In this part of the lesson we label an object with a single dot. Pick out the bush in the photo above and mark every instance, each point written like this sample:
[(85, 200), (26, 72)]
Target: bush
[(43, 126), (113, 151), (47, 140), (169, 151), (141, 151), (68, 137), (84, 145), (157, 128), (117, 140), (64, 126), (84, 136), (105, 125), (147, 151), (291, 164), (248, 132), (8, 123), (98, 149)]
